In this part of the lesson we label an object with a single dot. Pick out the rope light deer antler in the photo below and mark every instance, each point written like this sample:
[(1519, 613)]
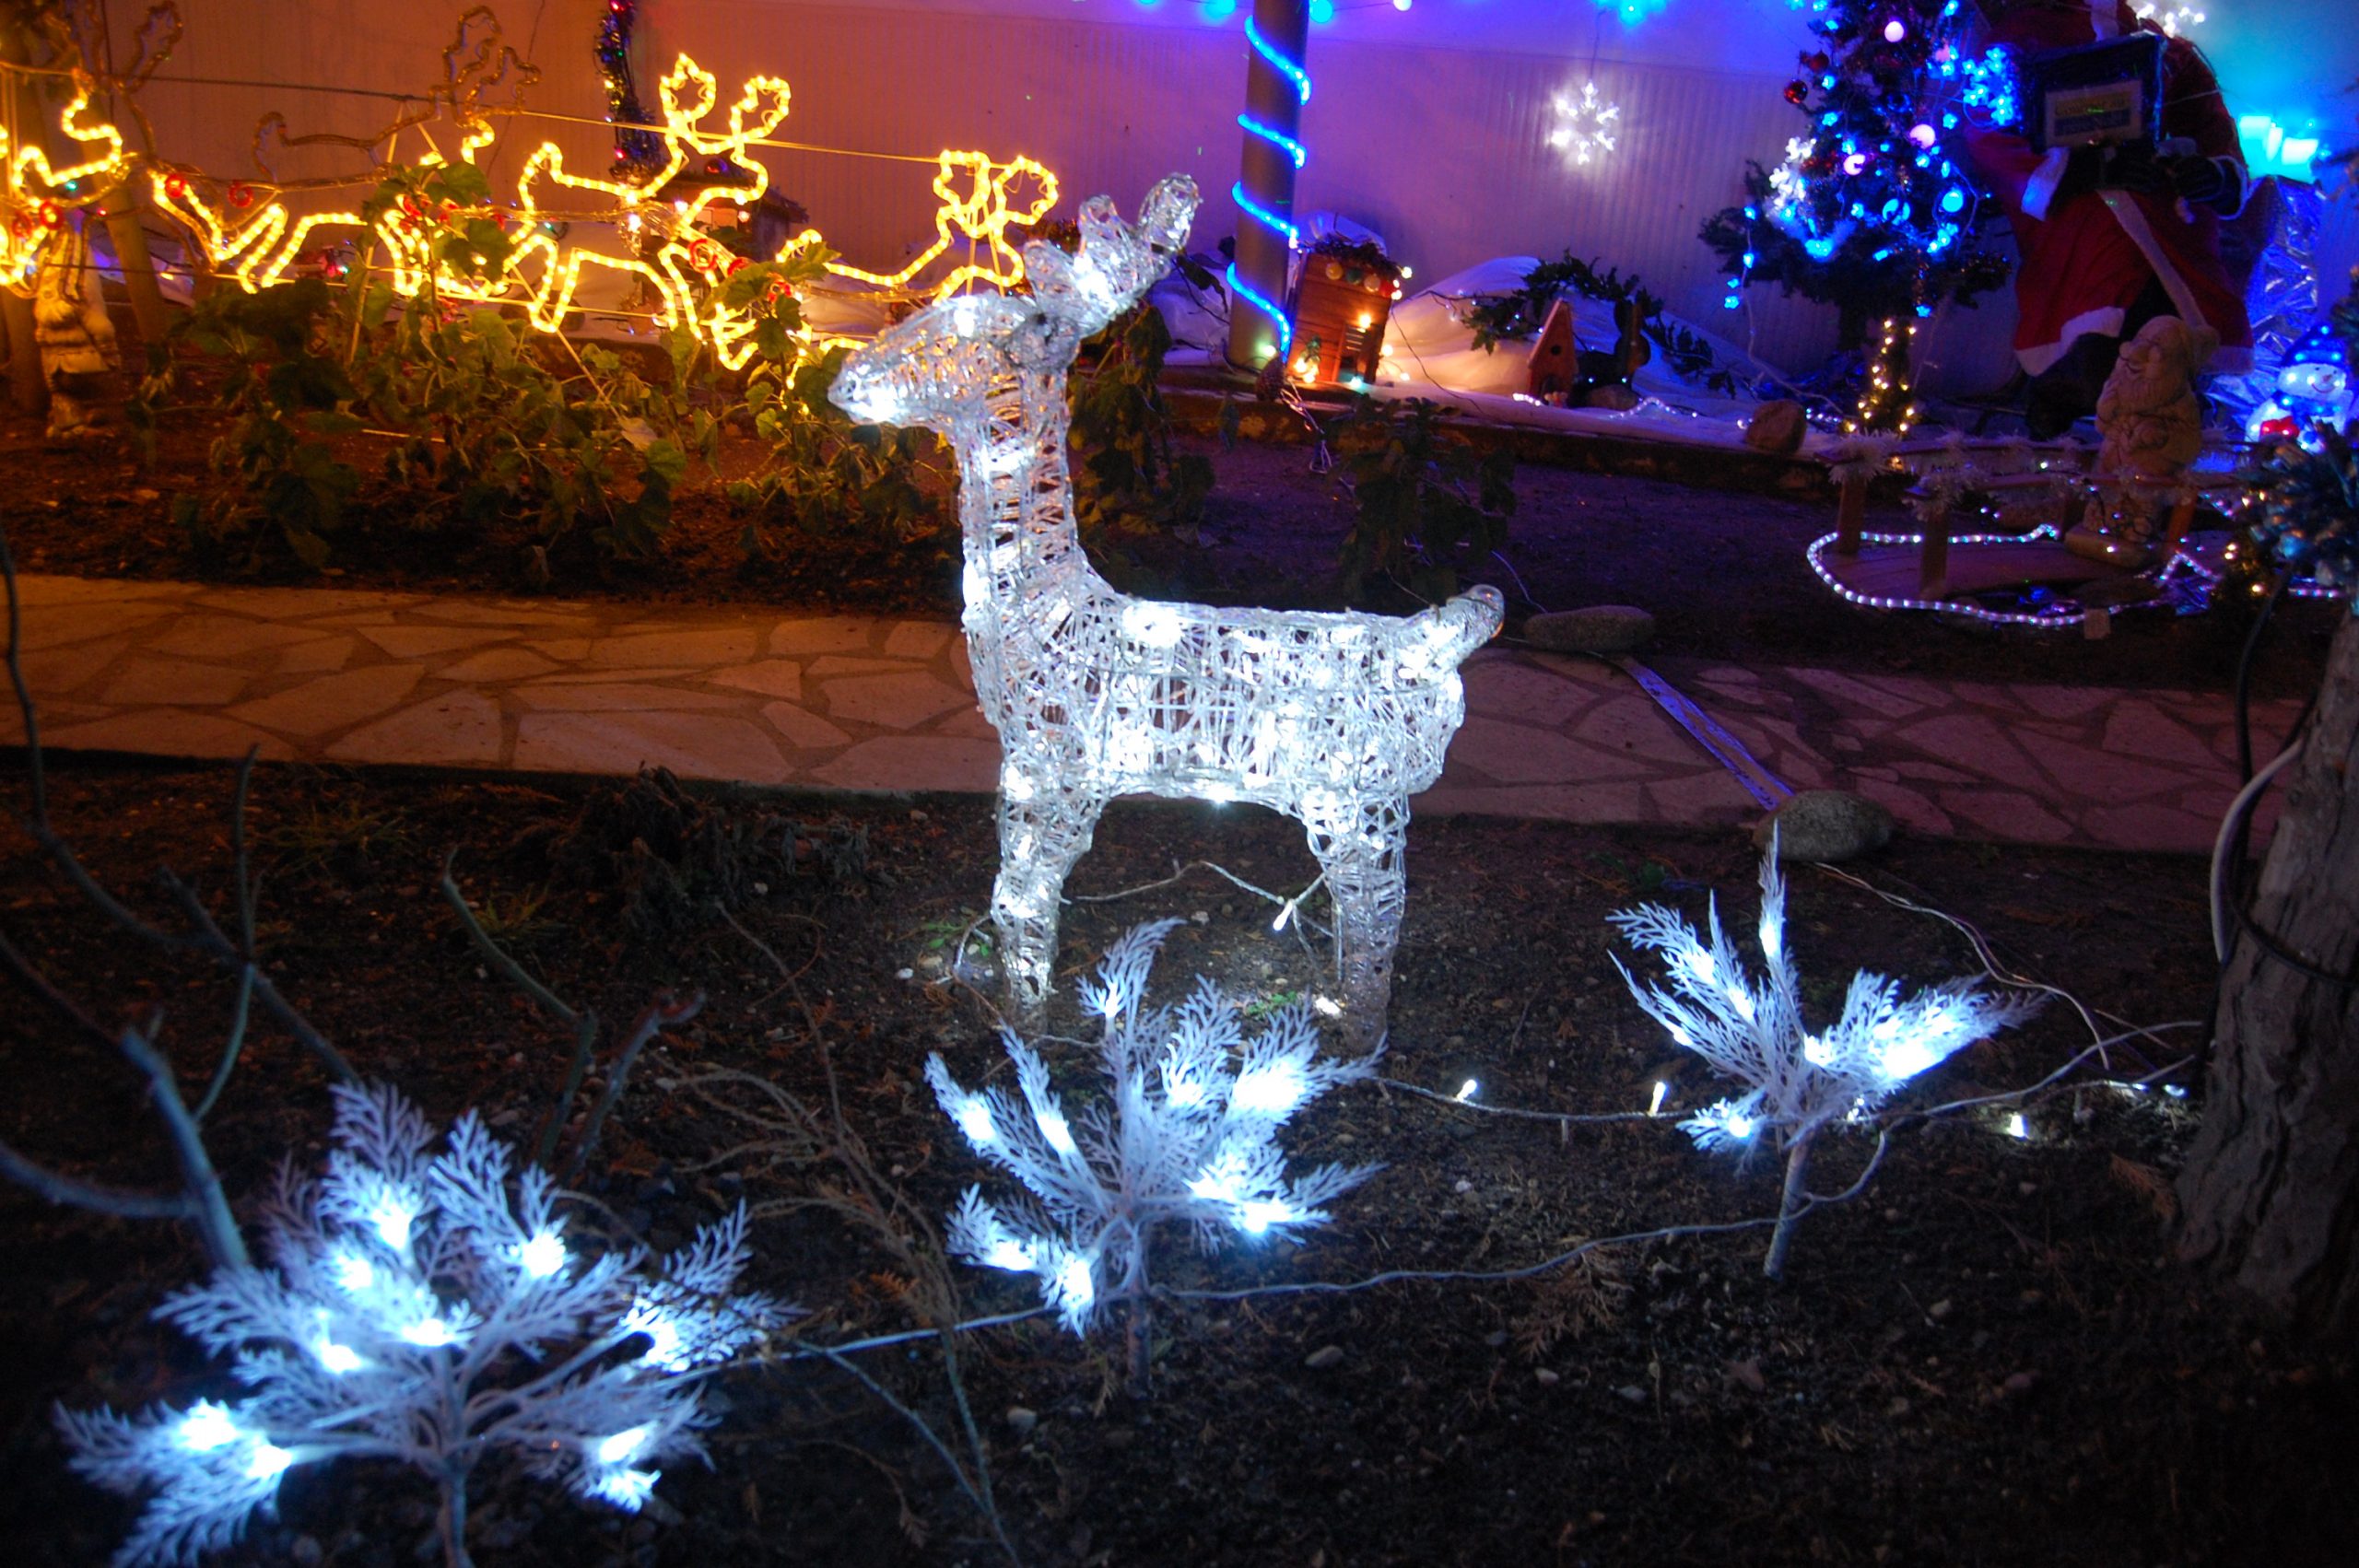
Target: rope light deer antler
[(984, 212), (35, 192), (1335, 720)]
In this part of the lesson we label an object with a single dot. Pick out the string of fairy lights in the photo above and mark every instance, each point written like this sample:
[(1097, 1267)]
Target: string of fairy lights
[(666, 177)]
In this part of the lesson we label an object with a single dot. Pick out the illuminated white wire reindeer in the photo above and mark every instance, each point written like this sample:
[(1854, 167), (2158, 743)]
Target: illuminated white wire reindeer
[(1335, 720)]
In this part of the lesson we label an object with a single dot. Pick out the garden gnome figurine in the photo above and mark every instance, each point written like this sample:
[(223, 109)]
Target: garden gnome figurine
[(73, 334), (2153, 429)]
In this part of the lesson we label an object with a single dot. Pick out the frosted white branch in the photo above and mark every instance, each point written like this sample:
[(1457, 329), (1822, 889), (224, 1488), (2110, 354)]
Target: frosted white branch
[(1753, 1029), (1186, 1132), (426, 1307)]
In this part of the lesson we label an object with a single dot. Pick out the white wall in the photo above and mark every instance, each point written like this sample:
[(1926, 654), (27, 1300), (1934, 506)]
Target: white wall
[(1427, 125)]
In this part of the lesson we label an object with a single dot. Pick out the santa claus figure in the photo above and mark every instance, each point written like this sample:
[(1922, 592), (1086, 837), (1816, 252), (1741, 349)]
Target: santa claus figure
[(2113, 238)]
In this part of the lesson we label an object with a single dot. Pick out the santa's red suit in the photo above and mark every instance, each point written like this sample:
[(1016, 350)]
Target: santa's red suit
[(2089, 255)]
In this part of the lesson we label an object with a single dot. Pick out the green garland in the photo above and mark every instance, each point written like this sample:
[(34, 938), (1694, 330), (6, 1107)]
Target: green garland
[(1521, 315)]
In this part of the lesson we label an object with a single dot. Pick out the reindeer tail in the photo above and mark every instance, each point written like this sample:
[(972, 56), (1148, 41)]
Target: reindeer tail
[(1472, 618)]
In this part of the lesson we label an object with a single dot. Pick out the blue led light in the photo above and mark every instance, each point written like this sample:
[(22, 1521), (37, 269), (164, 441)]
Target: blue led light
[(1819, 248), (1269, 219), (1284, 67), (1276, 138), (1294, 71), (1954, 200), (1240, 289)]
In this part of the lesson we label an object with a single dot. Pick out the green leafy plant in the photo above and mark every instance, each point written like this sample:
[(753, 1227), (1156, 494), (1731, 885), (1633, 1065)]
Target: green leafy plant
[(495, 429), (284, 393), (494, 424), (821, 474), (342, 836), (1129, 476), (1426, 504)]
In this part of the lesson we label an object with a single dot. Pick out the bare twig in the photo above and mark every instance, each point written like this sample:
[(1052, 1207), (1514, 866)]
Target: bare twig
[(583, 1022), (514, 973), (210, 941), (903, 1230), (233, 958), (213, 1220), (47, 1184), (200, 1202), (980, 1498), (240, 1012), (660, 1014)]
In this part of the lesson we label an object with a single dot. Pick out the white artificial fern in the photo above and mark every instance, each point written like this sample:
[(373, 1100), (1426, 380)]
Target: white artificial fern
[(1753, 1030), (1186, 1133), (425, 1307)]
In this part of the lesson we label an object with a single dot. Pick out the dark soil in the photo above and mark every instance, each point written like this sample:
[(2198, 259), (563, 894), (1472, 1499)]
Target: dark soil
[(1723, 571), (1987, 1359)]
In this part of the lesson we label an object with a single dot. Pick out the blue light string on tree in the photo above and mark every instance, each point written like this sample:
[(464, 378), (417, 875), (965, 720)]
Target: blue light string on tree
[(1868, 206), (1293, 71)]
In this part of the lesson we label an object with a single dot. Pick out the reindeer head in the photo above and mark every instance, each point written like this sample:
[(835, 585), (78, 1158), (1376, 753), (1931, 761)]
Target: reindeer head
[(938, 368)]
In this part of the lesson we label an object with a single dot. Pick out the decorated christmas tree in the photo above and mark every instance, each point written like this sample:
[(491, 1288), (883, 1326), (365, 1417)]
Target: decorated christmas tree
[(1870, 212)]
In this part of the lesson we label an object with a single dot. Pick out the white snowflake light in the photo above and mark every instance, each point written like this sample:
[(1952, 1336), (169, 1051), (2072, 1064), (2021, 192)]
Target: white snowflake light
[(1335, 720), (1796, 1083), (1586, 124), (2177, 21), (425, 1308), (1788, 183), (1186, 1134)]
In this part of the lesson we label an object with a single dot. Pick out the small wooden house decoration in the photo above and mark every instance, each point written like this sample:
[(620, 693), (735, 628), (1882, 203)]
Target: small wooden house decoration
[(1554, 367), (1341, 307)]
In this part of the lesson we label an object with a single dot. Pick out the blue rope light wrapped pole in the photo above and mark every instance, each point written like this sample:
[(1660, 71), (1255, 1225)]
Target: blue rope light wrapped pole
[(1276, 86)]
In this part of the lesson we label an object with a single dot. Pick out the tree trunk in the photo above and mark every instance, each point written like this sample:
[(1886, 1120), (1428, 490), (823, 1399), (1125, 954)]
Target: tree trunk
[(2271, 1191)]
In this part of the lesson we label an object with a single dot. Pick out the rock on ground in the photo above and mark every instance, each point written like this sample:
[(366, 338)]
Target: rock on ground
[(1599, 628), (1776, 426), (1826, 825)]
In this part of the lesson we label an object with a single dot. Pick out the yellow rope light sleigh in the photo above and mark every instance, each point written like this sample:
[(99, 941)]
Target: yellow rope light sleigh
[(542, 273)]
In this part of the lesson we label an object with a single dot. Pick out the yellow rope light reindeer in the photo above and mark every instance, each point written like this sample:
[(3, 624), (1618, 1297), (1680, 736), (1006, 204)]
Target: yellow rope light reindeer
[(35, 193), (542, 271)]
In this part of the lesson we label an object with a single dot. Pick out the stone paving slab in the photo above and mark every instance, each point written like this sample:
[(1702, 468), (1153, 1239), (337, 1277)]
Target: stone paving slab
[(864, 703)]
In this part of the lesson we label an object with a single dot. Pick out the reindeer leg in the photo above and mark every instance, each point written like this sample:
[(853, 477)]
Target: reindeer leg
[(1040, 836), (1360, 844)]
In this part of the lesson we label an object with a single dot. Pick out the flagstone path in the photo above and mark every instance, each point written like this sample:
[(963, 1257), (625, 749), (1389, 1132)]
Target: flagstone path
[(866, 703)]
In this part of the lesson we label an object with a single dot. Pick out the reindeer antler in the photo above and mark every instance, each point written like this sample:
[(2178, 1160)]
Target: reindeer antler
[(1117, 263)]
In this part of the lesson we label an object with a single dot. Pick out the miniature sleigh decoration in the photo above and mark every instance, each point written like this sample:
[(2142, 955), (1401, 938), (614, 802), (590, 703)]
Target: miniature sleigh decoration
[(1334, 718)]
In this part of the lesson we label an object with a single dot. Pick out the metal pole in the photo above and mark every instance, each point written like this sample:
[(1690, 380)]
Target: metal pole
[(1276, 86)]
